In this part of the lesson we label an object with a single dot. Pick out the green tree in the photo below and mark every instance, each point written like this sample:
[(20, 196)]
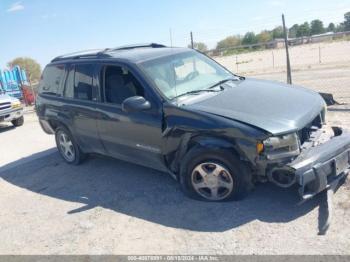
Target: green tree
[(340, 27), (199, 46), (249, 39), (293, 31), (31, 67), (303, 30), (277, 32), (331, 27), (347, 21), (317, 27), (228, 42), (264, 36)]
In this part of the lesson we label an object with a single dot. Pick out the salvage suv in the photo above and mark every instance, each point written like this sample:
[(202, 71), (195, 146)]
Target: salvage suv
[(177, 110), (11, 109)]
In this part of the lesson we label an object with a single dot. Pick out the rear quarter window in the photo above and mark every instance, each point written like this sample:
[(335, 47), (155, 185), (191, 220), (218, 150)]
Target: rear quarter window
[(51, 79)]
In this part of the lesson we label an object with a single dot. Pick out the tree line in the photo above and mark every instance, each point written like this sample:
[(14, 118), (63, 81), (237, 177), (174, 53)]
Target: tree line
[(306, 29)]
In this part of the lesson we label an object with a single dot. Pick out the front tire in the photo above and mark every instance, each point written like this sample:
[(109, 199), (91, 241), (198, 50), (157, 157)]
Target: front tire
[(214, 175), (68, 148), (18, 122)]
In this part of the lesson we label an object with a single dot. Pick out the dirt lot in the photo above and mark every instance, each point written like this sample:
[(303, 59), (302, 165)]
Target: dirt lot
[(324, 67), (107, 206)]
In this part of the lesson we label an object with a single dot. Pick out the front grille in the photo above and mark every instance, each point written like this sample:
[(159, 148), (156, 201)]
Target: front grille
[(305, 133), (5, 105)]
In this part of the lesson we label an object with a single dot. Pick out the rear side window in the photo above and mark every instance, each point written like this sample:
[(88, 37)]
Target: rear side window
[(83, 81), (51, 79)]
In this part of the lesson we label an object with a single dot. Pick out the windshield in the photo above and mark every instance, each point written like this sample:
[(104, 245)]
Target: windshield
[(183, 73)]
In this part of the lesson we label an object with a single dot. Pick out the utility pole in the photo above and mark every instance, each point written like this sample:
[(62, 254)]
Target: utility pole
[(171, 37), (289, 73), (192, 40)]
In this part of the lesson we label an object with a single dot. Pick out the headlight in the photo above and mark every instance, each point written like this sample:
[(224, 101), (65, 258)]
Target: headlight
[(16, 104), (276, 147)]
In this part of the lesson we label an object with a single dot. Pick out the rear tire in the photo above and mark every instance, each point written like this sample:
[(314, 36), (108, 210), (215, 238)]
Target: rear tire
[(18, 122), (214, 175), (67, 146)]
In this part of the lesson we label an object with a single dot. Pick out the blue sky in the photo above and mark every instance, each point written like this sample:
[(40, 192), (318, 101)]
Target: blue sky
[(44, 29)]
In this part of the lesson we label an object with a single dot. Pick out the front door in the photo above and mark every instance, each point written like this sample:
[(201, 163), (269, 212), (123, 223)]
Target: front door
[(133, 136)]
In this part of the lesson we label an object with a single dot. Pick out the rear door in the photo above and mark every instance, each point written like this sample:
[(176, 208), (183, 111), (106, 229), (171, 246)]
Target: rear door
[(80, 104), (133, 136)]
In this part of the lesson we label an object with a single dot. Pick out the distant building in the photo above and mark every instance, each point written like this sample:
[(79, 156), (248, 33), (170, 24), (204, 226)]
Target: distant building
[(322, 37), (276, 43)]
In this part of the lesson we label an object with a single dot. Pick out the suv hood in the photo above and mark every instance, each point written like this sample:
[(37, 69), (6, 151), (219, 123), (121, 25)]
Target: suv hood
[(5, 98), (274, 107)]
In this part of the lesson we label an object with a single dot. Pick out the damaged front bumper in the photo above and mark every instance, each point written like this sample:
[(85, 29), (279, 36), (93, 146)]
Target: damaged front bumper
[(318, 167)]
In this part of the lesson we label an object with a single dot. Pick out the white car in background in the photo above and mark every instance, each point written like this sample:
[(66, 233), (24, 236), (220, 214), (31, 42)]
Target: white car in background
[(11, 109)]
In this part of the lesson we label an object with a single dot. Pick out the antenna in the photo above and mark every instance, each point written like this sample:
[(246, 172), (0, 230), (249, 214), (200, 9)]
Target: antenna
[(192, 46), (171, 37)]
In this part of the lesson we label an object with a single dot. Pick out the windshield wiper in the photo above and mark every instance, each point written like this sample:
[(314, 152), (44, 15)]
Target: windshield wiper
[(222, 82), (197, 91), (210, 88)]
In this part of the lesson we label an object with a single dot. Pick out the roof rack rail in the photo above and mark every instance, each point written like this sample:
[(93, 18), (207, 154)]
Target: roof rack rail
[(103, 52), (80, 54), (126, 47)]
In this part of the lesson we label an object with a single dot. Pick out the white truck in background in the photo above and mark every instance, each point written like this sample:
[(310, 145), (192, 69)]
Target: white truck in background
[(11, 109)]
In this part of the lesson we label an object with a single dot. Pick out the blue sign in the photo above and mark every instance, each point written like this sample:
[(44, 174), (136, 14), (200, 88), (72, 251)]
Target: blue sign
[(12, 80)]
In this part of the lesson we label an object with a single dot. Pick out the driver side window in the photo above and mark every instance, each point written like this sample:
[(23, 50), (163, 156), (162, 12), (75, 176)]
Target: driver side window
[(120, 84)]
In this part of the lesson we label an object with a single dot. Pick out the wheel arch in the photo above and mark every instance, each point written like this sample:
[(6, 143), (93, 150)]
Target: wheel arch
[(189, 143), (55, 123), (223, 154)]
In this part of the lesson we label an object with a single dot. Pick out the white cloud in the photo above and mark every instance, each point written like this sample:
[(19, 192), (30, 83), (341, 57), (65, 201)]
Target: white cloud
[(15, 7)]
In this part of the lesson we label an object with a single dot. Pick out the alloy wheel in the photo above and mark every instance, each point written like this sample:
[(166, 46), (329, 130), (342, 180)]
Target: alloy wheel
[(212, 181), (66, 147)]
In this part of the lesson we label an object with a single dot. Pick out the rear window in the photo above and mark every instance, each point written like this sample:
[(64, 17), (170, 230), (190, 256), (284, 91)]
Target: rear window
[(51, 79)]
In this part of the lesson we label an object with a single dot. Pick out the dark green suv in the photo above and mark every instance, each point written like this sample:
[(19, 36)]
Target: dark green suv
[(178, 111)]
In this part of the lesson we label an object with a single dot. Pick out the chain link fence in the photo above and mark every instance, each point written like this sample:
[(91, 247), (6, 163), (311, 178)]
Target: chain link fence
[(323, 67)]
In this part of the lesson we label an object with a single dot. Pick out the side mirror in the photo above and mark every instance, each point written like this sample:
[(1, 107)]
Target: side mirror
[(135, 104)]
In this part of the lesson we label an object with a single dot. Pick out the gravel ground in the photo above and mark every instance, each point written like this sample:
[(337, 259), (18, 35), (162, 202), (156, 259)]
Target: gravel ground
[(106, 206)]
